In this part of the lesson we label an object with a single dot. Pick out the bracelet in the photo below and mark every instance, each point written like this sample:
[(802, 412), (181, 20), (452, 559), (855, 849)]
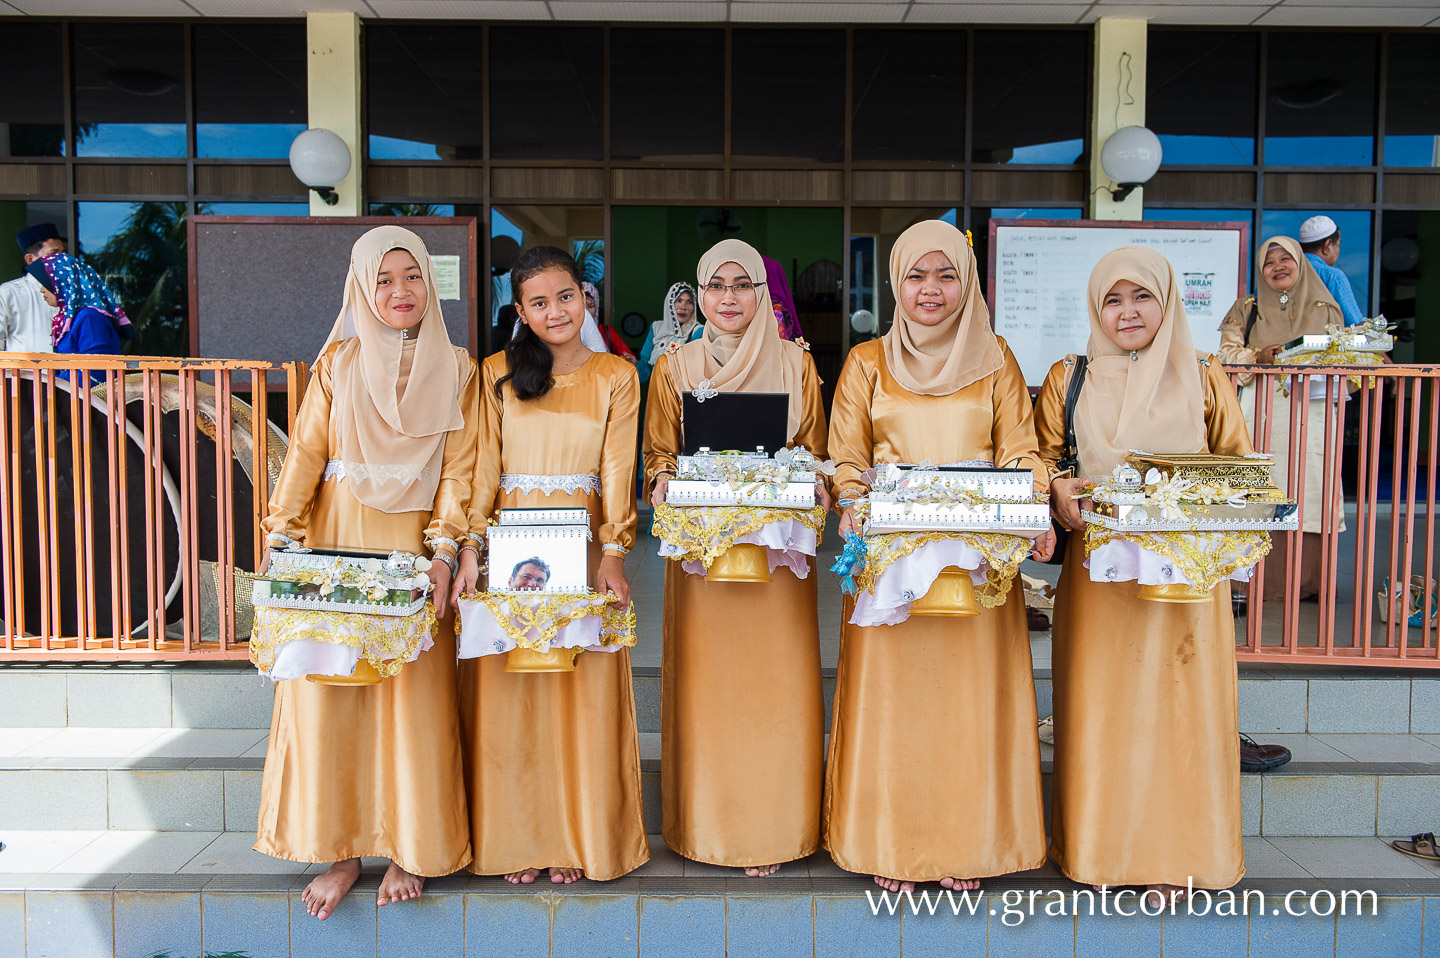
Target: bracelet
[(290, 544), (471, 547), (449, 561), (439, 541), (614, 547)]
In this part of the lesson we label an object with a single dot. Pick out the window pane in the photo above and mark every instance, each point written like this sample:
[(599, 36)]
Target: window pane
[(423, 92), (1354, 243), (1412, 101), (250, 88), (906, 82), (129, 89), (255, 209), (1320, 99), (788, 94), (140, 250), (873, 232), (32, 92), (667, 93), (1409, 255), (546, 93), (1030, 96), (1200, 95)]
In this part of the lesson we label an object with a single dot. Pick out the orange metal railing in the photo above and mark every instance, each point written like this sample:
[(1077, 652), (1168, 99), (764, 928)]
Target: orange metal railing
[(130, 491)]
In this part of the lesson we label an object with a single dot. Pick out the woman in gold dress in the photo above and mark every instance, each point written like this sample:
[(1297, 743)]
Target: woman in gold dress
[(934, 769), (742, 713), (552, 760), (381, 459), (1147, 763)]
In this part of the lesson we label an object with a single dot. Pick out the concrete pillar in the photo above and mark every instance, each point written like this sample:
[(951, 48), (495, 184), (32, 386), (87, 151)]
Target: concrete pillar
[(1117, 85), (334, 82)]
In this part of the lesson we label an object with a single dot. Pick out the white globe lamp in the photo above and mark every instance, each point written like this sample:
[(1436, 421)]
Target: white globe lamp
[(320, 160), (1130, 157)]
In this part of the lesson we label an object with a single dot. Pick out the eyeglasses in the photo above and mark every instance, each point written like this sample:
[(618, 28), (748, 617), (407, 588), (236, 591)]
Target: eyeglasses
[(738, 288)]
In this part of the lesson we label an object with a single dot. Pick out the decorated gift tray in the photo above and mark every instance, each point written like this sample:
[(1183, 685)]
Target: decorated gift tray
[(333, 581), (925, 498), (1341, 344), (1192, 493), (783, 481)]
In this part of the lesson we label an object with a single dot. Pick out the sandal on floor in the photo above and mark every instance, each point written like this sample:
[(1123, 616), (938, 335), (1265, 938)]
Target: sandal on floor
[(1418, 846)]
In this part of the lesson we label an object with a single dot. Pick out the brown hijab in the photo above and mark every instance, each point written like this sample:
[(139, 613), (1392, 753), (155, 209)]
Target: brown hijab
[(754, 360), (1308, 307), (394, 398), (1152, 399), (945, 358)]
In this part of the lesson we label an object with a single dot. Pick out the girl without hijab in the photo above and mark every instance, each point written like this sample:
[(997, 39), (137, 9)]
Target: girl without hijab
[(381, 459), (742, 713), (934, 769), (1147, 764), (680, 323), (1291, 301)]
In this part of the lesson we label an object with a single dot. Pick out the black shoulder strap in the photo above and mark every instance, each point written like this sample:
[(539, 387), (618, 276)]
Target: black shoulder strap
[(1254, 317), (1072, 399)]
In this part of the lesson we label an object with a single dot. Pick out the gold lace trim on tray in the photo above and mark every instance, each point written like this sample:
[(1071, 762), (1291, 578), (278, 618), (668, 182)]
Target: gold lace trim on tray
[(1003, 554), (708, 532), (385, 641), (1204, 558), (545, 615)]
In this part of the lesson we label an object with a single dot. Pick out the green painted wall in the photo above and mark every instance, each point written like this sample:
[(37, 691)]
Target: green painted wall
[(12, 221)]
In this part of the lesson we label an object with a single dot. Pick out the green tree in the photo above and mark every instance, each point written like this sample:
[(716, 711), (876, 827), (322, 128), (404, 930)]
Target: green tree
[(144, 264)]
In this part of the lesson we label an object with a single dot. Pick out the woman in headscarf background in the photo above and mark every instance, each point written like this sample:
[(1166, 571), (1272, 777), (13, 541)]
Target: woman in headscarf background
[(679, 323), (381, 459), (742, 713), (934, 769), (87, 318), (1291, 301), (787, 317), (614, 343), (1147, 764), (552, 761)]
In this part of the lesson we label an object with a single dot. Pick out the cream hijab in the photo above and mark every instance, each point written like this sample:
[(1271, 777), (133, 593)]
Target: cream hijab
[(962, 348), (1152, 399), (1308, 305), (755, 360), (392, 402), (668, 330)]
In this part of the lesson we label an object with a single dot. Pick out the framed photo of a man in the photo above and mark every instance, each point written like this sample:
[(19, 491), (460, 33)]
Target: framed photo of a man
[(542, 557)]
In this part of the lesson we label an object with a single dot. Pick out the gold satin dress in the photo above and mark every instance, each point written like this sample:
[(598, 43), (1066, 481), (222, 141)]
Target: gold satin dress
[(934, 767), (374, 770), (1147, 739), (552, 760), (742, 715)]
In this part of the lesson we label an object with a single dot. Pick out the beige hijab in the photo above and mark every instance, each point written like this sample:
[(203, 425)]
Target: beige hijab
[(1153, 399), (1308, 305), (755, 360), (962, 348), (392, 401)]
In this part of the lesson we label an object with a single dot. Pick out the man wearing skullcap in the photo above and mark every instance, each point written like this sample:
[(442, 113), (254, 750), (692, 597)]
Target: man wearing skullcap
[(1320, 239), (25, 317)]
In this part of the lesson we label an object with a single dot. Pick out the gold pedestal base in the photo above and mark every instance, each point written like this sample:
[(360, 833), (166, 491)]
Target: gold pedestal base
[(742, 562), (1174, 592), (952, 594), (364, 674), (528, 660)]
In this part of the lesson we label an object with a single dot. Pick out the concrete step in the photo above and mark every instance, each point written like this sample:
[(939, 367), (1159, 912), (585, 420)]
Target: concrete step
[(232, 695), (208, 780), (138, 894)]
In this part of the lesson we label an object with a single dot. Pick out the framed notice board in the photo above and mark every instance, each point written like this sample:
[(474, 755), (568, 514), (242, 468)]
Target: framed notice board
[(1039, 275)]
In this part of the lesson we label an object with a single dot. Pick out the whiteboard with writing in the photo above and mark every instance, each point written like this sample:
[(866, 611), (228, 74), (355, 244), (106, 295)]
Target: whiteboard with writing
[(1040, 272)]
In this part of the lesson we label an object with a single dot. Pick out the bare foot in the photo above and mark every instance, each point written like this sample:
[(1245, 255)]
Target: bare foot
[(961, 884), (398, 885), (525, 877), (1162, 896), (894, 884), (325, 891), (566, 876), (760, 871)]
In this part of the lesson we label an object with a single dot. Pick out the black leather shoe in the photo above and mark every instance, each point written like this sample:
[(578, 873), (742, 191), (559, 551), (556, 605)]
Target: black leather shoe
[(1255, 757)]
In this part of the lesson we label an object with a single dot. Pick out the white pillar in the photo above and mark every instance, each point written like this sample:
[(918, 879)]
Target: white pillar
[(334, 84), (1117, 86)]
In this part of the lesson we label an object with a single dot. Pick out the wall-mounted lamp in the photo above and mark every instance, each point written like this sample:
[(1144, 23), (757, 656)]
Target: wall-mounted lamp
[(1130, 157), (320, 160)]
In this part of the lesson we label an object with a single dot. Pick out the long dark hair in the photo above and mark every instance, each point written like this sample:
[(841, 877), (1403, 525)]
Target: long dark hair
[(527, 357)]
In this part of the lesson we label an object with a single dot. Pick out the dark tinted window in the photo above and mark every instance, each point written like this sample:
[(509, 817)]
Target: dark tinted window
[(788, 94), (1030, 95), (32, 92), (1320, 99), (546, 93), (667, 93), (1200, 95), (1412, 103), (423, 92), (907, 80), (129, 89), (250, 88)]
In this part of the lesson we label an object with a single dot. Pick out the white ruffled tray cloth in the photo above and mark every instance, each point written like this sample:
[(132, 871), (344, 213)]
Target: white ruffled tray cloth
[(293, 643), (1202, 559), (494, 623), (695, 536), (901, 567)]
